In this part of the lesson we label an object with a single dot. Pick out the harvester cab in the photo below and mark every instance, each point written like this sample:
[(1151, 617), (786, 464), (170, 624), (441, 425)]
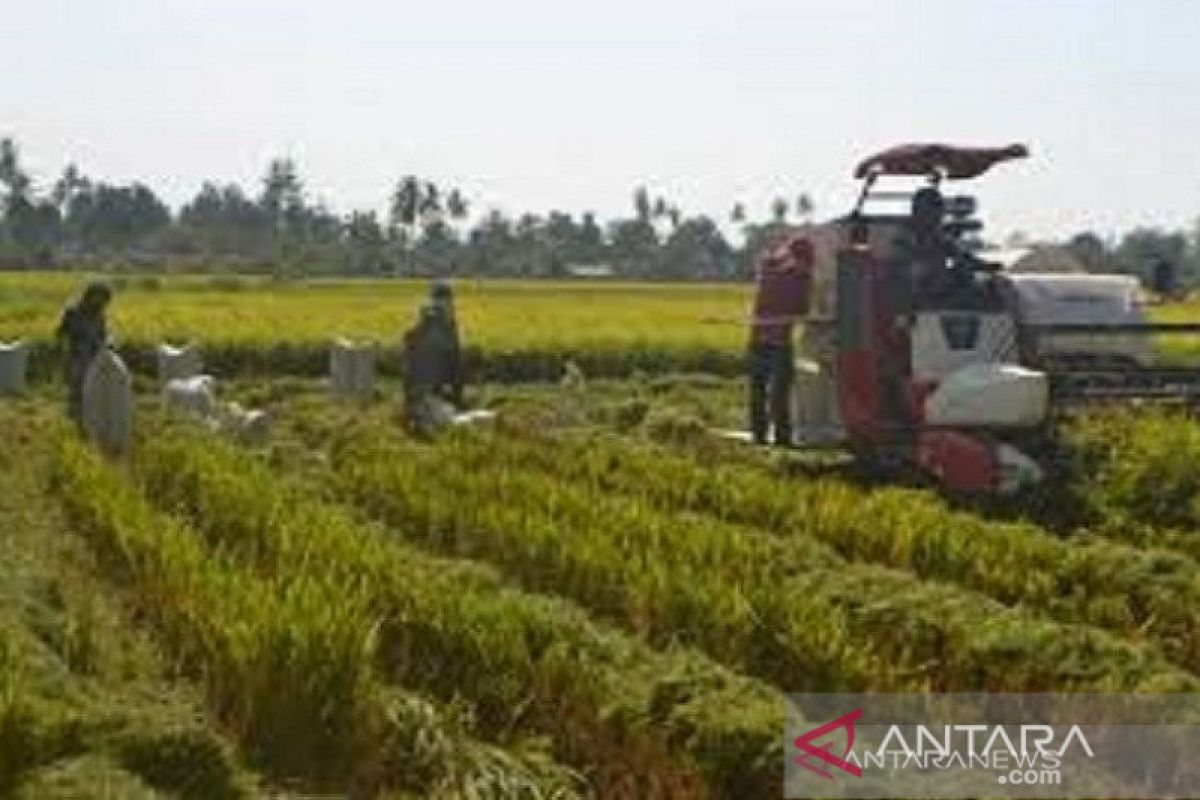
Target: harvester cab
[(921, 351)]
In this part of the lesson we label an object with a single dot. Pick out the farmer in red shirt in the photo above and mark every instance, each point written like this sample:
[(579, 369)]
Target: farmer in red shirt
[(781, 299)]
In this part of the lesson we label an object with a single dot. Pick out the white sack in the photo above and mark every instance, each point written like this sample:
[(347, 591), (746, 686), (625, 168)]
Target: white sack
[(352, 369), (249, 426), (193, 397), (14, 363), (108, 403), (178, 362)]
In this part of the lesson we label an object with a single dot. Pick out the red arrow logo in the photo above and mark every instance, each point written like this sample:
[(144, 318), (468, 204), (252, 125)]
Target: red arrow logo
[(811, 749)]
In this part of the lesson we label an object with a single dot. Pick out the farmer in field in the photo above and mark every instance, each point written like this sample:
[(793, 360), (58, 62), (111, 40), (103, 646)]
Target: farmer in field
[(781, 298), (82, 333), (432, 370), (441, 296)]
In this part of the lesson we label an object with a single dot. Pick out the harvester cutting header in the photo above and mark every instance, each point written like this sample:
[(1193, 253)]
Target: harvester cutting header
[(921, 351)]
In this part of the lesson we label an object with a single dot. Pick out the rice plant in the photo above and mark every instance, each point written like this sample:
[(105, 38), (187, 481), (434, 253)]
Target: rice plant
[(517, 330), (1140, 593), (286, 659), (791, 611), (638, 722), (1138, 474)]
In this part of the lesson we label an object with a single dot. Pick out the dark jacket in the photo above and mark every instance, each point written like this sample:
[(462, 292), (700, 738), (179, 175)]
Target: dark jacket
[(431, 355), (83, 334)]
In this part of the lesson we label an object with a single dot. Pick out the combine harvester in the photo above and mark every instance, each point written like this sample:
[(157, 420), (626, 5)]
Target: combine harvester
[(920, 353)]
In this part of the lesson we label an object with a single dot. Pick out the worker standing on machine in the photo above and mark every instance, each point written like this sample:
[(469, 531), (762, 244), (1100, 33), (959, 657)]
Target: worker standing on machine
[(82, 333), (931, 251), (781, 298)]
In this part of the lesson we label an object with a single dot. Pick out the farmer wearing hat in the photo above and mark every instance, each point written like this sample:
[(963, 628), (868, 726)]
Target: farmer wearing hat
[(82, 333), (432, 368)]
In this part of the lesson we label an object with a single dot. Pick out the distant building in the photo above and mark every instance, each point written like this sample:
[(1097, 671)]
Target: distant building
[(591, 271)]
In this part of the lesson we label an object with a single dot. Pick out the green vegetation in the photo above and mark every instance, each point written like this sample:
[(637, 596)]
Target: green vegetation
[(279, 230), (787, 610), (1138, 593), (286, 656), (1137, 477), (86, 704), (613, 707), (595, 598)]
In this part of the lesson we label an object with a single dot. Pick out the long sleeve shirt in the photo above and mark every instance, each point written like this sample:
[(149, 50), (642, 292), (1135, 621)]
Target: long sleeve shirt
[(784, 276)]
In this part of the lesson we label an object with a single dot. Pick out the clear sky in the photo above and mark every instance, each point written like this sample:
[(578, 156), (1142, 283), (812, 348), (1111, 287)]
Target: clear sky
[(532, 104)]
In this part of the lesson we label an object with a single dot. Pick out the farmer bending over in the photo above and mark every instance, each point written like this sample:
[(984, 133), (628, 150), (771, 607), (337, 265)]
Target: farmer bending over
[(781, 298), (82, 333), (441, 296), (432, 370)]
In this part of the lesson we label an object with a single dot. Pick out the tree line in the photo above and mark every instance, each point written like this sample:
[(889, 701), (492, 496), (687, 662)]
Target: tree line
[(278, 229), (1139, 251)]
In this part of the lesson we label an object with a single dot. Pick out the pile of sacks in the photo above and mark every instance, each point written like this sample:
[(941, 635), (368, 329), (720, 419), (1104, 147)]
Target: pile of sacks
[(196, 398), (187, 393)]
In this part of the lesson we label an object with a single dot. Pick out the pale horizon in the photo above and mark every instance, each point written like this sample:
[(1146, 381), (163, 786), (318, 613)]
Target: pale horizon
[(538, 106)]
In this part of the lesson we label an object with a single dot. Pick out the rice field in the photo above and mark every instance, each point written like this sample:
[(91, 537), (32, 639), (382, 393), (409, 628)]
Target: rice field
[(516, 330), (593, 597)]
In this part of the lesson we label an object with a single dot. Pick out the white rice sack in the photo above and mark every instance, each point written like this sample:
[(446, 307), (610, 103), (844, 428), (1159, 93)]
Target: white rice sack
[(108, 403), (191, 397), (480, 416), (339, 367), (352, 369), (178, 362), (14, 363), (441, 413), (249, 426)]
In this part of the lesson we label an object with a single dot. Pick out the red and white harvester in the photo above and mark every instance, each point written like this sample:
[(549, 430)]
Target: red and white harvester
[(921, 351)]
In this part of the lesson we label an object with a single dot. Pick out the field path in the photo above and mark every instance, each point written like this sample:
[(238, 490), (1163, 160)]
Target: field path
[(89, 702)]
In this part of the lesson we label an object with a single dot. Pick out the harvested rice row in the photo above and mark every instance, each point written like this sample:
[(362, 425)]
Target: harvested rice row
[(1141, 594), (790, 612), (287, 659), (640, 723), (81, 700)]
